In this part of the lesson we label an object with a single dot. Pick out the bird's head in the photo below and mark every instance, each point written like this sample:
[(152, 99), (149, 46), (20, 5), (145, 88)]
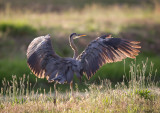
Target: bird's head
[(106, 36), (75, 35)]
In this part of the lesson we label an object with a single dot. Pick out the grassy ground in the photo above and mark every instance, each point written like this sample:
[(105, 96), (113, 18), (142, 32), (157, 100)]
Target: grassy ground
[(96, 100), (140, 95)]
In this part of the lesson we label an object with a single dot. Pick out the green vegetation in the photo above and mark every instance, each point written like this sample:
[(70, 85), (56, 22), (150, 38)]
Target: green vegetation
[(16, 29), (146, 94), (114, 72), (139, 96)]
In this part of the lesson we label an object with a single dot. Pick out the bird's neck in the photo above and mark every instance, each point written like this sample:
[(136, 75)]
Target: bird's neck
[(74, 48)]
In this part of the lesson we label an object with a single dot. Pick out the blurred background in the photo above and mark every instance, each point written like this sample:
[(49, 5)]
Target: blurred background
[(23, 20)]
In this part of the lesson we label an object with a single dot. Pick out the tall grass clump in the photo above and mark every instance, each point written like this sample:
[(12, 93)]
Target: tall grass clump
[(142, 75), (138, 93), (15, 90)]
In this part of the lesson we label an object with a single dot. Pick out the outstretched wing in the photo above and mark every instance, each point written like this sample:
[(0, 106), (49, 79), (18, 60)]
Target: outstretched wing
[(44, 62), (107, 50)]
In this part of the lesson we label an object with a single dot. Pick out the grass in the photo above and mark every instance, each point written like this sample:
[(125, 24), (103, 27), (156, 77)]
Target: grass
[(113, 72), (50, 5), (90, 19), (140, 95), (16, 29), (93, 20)]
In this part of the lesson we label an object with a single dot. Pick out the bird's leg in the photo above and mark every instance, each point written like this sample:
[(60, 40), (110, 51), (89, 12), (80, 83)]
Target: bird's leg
[(71, 87), (55, 93)]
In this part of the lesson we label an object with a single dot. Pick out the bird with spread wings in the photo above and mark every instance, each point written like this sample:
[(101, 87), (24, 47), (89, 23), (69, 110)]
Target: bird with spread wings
[(44, 62)]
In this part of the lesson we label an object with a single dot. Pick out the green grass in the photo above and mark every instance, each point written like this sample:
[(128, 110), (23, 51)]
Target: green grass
[(139, 96), (16, 29), (115, 72)]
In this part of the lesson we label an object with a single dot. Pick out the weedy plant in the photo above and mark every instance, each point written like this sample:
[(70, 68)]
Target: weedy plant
[(138, 93)]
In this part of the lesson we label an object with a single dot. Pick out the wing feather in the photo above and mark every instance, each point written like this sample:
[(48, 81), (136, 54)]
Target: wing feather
[(44, 62), (106, 50)]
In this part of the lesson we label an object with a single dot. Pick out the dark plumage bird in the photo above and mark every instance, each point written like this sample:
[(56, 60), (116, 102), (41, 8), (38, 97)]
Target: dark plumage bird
[(44, 62)]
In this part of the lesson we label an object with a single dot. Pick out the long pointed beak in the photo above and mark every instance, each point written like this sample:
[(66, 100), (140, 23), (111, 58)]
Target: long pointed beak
[(79, 35)]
